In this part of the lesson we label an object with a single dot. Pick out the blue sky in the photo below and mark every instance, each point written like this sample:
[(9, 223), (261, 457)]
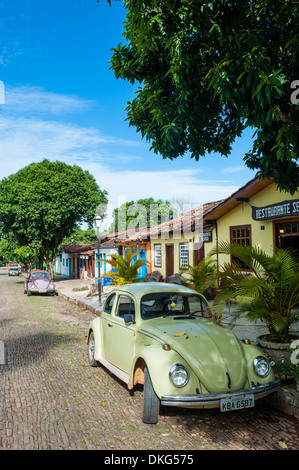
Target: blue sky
[(63, 103)]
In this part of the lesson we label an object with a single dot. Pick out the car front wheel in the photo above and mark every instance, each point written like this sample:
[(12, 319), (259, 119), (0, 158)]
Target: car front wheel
[(150, 401)]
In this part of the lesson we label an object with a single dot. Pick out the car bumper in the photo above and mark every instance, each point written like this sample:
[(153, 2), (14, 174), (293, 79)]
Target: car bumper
[(41, 291), (213, 400)]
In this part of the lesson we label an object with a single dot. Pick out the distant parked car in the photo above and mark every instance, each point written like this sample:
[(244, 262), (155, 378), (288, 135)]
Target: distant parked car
[(39, 282), (162, 336), (13, 272)]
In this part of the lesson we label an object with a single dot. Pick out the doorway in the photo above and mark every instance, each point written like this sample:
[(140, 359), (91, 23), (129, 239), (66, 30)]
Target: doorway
[(287, 236), (198, 253), (169, 260)]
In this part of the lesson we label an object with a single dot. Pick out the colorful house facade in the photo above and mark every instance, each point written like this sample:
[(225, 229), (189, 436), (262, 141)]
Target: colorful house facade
[(258, 214), (106, 249), (75, 261), (178, 243), (136, 240)]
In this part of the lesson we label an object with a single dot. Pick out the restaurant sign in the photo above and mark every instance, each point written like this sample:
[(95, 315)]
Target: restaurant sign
[(274, 211), (205, 237)]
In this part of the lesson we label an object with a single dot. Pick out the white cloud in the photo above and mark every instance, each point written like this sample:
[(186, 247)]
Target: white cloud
[(29, 133), (179, 185), (176, 184), (36, 100), (26, 140), (233, 169)]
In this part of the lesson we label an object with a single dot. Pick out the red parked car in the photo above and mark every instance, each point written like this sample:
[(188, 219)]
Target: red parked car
[(39, 282)]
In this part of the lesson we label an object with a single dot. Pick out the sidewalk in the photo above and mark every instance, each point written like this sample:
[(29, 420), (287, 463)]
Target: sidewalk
[(80, 291), (83, 292)]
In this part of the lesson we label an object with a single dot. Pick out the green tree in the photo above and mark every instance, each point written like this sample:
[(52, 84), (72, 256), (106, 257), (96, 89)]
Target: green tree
[(141, 213), (78, 235), (42, 203), (27, 254), (7, 248), (210, 68)]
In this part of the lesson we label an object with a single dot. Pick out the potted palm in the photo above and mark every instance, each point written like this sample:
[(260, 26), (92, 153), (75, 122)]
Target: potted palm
[(124, 269), (265, 288)]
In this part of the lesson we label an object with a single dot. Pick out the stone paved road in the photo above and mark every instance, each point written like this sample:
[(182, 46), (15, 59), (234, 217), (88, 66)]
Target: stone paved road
[(51, 399)]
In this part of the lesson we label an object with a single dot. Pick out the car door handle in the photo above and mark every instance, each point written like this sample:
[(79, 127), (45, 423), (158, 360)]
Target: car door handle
[(110, 325)]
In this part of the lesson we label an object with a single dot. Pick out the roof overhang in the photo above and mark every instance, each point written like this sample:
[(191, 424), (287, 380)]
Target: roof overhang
[(239, 197)]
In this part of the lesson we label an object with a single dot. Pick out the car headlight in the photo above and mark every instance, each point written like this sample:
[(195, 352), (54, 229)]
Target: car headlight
[(178, 375), (51, 286), (32, 286), (261, 366)]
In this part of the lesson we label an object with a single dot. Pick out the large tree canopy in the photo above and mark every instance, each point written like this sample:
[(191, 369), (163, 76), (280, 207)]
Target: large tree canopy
[(42, 203), (210, 68), (144, 212)]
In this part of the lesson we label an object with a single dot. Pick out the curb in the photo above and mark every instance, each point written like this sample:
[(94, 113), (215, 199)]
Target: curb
[(80, 303), (286, 400)]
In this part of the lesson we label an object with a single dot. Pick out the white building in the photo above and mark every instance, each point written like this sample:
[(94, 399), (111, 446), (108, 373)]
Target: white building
[(106, 250)]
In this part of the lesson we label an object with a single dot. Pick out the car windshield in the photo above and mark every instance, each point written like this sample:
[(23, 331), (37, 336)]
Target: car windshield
[(40, 275), (173, 303)]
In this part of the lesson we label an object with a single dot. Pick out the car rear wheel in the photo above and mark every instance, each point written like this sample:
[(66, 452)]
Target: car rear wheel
[(91, 347), (150, 401)]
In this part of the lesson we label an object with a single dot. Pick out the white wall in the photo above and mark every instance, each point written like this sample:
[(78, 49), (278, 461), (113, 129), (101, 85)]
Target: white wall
[(105, 253), (63, 264)]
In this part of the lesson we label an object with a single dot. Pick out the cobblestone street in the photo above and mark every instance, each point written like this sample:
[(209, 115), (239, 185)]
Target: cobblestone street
[(52, 399)]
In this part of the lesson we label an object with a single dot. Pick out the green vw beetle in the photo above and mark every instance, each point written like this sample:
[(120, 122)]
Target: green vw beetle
[(161, 335)]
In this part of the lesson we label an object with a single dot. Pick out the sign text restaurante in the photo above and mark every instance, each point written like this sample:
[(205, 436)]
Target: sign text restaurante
[(273, 211)]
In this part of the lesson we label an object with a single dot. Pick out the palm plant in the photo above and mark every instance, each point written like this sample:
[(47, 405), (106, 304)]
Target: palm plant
[(124, 271), (203, 276), (269, 291)]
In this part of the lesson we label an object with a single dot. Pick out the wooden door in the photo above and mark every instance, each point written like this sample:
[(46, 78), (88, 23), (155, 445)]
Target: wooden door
[(169, 260), (198, 253)]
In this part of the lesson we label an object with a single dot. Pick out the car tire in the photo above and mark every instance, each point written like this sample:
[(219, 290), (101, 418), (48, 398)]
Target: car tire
[(28, 292), (150, 401), (90, 351)]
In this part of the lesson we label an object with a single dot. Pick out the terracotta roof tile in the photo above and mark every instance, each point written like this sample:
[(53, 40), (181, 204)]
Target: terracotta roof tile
[(76, 248), (187, 221)]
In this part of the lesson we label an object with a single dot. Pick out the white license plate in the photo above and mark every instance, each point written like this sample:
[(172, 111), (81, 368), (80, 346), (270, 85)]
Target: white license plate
[(237, 403), (42, 291)]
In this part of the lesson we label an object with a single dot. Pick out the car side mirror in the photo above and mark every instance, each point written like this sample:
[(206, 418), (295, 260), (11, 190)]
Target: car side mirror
[(129, 318)]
